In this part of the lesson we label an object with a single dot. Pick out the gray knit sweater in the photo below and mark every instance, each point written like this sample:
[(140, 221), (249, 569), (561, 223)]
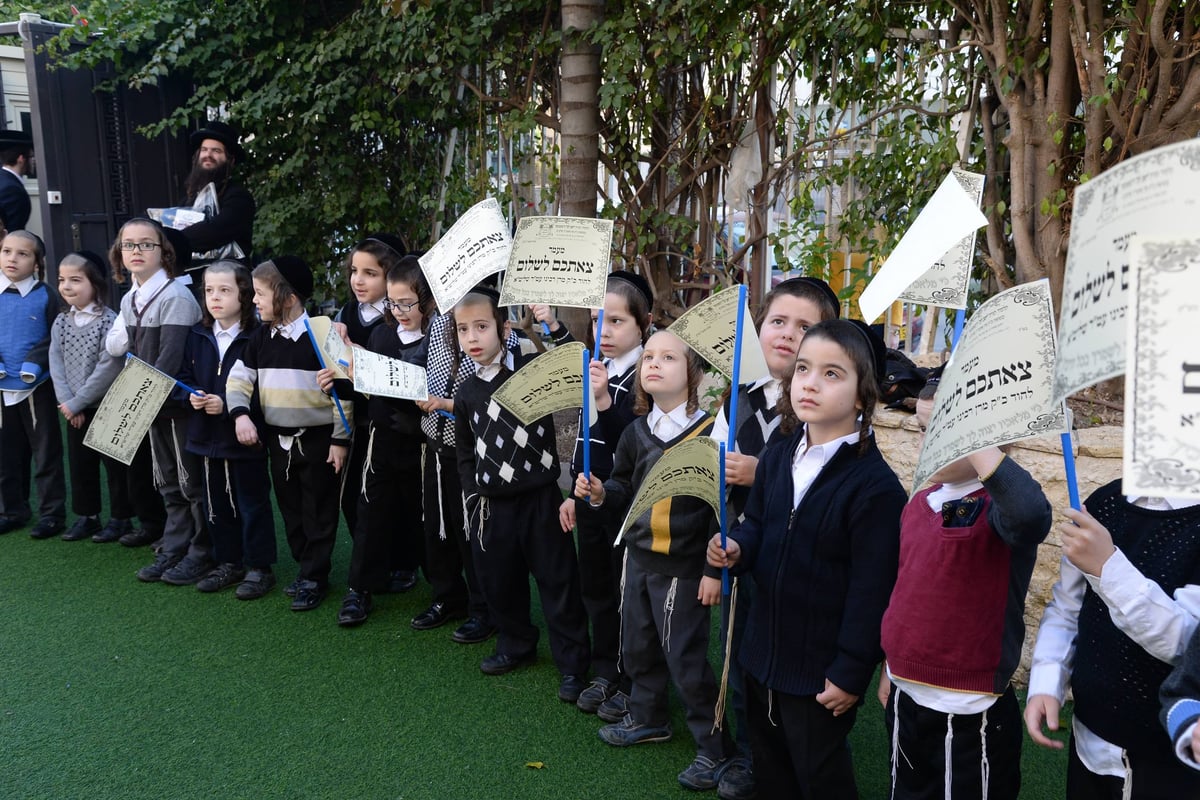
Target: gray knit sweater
[(82, 370)]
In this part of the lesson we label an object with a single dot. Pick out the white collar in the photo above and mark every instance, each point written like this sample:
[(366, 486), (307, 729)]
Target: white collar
[(824, 452), (488, 372), (1161, 503), (232, 331), (293, 330), (622, 364), (24, 286), (90, 311), (14, 172), (153, 284), (678, 415), (408, 337)]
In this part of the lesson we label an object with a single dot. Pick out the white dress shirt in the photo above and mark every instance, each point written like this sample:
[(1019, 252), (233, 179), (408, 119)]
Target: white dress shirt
[(809, 461), (666, 425)]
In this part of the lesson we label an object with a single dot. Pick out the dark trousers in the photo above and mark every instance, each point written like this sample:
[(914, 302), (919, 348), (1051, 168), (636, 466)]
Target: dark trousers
[(307, 490), (179, 477), (660, 644), (799, 747), (351, 474), (144, 499), (600, 585), (1155, 777), (985, 750), (736, 692), (84, 465), (522, 536), (449, 566), (30, 430), (241, 522), (390, 534)]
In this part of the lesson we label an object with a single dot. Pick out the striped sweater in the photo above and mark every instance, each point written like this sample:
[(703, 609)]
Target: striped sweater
[(283, 365)]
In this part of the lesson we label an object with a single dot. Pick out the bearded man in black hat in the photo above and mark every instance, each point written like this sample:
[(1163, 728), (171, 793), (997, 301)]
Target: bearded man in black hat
[(216, 150), (16, 154)]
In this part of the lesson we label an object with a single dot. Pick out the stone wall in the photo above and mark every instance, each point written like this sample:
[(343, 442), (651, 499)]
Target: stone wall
[(1097, 461)]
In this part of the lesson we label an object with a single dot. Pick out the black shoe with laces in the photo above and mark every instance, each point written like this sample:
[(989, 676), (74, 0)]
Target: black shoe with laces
[(113, 531), (356, 606), (309, 595), (83, 528), (47, 528), (151, 573), (221, 577)]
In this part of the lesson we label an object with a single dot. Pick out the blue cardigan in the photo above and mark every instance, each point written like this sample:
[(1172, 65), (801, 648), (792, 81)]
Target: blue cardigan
[(213, 435), (822, 575)]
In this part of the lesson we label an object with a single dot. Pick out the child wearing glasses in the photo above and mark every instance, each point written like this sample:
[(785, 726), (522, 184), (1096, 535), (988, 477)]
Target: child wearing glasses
[(156, 316), (389, 536)]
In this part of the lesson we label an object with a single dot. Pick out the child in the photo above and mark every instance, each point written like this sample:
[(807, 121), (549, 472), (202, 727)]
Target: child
[(664, 606), (953, 630), (237, 487), (388, 538), (366, 269), (1180, 697), (787, 312), (156, 316), (509, 473), (820, 536), (627, 303), (1121, 614), (28, 307), (303, 431), (82, 371)]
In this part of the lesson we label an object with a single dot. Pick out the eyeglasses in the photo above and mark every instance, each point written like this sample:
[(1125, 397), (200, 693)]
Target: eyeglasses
[(145, 247), (403, 308)]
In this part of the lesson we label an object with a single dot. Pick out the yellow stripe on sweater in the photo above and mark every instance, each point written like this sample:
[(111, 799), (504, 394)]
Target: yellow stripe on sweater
[(660, 512)]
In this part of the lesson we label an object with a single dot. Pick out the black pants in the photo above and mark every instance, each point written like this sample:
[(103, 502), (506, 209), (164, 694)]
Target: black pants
[(449, 565), (237, 497), (351, 474), (389, 533), (799, 747), (660, 644), (144, 499), (30, 430), (522, 536), (600, 585), (84, 465), (1155, 777), (736, 691), (985, 750), (180, 480), (307, 490)]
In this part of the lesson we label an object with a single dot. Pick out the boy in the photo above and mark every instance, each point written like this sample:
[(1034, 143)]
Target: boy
[(953, 629), (1180, 706)]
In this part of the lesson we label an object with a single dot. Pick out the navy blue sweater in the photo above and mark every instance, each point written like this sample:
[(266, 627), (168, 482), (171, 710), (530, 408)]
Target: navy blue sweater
[(213, 435), (822, 574)]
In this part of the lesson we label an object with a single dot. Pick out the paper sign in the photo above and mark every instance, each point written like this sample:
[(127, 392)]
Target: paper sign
[(1155, 194), (996, 387), (551, 382), (1162, 385), (710, 328), (689, 468), (559, 261), (388, 377), (949, 217), (128, 409), (476, 246), (948, 281), (332, 347)]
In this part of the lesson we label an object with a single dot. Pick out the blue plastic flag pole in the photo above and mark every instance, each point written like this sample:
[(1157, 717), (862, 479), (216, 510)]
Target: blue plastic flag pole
[(178, 382), (586, 422), (1069, 467), (724, 517), (728, 445), (597, 355), (960, 320), (312, 337)]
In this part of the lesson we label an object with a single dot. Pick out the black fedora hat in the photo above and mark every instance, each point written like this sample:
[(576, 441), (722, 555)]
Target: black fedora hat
[(15, 138), (224, 133)]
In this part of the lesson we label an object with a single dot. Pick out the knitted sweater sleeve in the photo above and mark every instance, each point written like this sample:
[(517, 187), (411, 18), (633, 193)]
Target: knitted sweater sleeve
[(1019, 513), (243, 375), (179, 313), (58, 370), (1180, 696), (37, 360), (619, 490), (103, 374)]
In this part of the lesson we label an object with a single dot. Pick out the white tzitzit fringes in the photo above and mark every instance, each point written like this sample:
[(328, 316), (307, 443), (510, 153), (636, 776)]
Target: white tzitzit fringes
[(484, 513), (208, 490), (156, 475), (896, 732), (949, 744), (621, 607), (668, 610), (287, 468), (723, 692), (985, 768), (362, 490), (771, 708), (229, 489), (32, 412), (1127, 784), (437, 471), (180, 470)]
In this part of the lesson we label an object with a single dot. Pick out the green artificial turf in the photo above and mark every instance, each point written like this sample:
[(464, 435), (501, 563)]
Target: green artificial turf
[(112, 688)]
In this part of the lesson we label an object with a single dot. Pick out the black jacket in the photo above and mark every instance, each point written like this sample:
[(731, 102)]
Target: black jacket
[(213, 435), (233, 223)]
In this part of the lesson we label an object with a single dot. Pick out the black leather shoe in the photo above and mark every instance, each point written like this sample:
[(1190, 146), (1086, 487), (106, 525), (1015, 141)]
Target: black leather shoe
[(139, 537), (503, 663), (401, 580), (113, 531), (435, 616), (46, 528), (473, 631), (84, 528), (569, 688), (309, 595), (355, 608), (12, 522)]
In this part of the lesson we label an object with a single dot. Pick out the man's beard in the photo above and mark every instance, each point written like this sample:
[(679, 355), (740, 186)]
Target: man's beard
[(200, 177)]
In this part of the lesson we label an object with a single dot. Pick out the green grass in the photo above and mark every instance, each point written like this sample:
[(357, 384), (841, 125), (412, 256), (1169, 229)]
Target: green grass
[(111, 688)]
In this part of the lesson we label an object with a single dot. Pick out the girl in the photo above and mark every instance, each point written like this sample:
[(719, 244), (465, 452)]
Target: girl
[(82, 371), (303, 431), (787, 312), (366, 269), (821, 537), (627, 303), (237, 488), (28, 307), (509, 473), (664, 614), (391, 478)]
